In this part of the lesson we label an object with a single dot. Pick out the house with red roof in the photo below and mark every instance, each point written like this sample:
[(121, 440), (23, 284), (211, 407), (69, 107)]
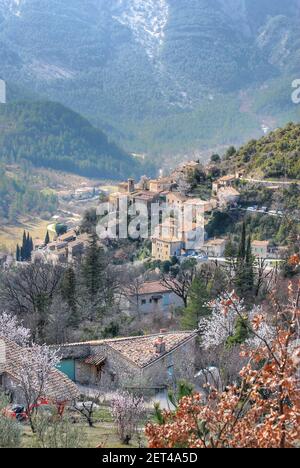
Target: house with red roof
[(150, 297)]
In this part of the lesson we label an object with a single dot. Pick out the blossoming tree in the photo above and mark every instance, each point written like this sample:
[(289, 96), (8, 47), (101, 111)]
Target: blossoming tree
[(263, 411)]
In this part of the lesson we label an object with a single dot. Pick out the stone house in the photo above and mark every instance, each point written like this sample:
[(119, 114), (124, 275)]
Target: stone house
[(161, 185), (215, 248), (76, 250), (69, 236), (227, 196), (150, 298), (176, 200), (165, 249), (144, 198), (260, 249), (223, 182), (59, 389), (153, 362)]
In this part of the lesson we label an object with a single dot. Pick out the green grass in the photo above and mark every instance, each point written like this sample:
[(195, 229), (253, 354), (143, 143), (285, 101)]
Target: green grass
[(104, 433), (11, 235)]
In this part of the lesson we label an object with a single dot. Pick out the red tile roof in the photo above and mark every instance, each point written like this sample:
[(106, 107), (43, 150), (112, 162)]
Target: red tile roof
[(59, 388), (140, 350), (152, 287)]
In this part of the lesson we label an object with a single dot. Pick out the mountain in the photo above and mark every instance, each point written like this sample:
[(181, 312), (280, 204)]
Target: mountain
[(21, 195), (159, 76), (48, 134), (276, 155)]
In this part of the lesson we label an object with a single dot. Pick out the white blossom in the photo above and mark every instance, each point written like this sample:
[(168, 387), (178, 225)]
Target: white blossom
[(35, 372), (127, 411), (219, 326), (12, 330)]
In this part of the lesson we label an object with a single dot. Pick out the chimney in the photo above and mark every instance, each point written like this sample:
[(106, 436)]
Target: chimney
[(160, 345), (131, 185)]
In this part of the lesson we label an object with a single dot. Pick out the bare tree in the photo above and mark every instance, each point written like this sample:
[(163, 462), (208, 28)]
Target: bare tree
[(132, 292), (88, 406), (28, 291), (180, 281), (265, 276)]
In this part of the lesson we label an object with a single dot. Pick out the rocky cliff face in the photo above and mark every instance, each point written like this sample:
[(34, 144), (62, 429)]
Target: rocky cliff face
[(124, 63)]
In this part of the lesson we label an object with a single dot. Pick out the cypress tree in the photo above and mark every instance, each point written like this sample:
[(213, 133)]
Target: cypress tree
[(93, 268), (23, 248), (242, 246), (47, 238), (249, 270), (18, 253), (244, 279)]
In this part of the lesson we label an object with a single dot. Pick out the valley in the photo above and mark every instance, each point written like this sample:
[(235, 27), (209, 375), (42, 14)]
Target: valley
[(159, 77), (67, 211)]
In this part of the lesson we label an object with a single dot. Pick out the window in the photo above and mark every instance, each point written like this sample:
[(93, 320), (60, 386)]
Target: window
[(170, 371), (144, 302)]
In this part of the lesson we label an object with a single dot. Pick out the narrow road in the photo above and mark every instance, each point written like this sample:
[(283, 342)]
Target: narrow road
[(271, 182)]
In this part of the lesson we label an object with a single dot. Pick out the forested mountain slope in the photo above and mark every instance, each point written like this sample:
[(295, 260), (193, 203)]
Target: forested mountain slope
[(159, 75), (275, 156), (49, 135)]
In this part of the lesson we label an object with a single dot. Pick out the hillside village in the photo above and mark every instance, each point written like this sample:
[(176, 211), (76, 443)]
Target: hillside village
[(149, 227), (131, 314), (169, 239)]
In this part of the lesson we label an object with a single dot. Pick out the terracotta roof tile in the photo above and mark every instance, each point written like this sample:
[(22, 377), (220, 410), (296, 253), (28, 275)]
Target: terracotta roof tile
[(140, 350), (59, 388), (153, 287)]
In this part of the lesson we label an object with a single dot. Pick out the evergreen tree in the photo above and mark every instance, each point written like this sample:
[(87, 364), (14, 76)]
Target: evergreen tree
[(242, 246), (197, 305), (249, 268), (23, 248), (27, 248), (18, 253), (93, 268), (244, 278), (47, 238), (230, 250), (241, 333)]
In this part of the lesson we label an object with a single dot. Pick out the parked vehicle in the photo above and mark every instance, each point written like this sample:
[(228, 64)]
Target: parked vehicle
[(18, 412)]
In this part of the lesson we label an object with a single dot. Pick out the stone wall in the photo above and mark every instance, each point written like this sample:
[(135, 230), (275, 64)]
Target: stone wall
[(12, 389), (117, 372), (178, 365)]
